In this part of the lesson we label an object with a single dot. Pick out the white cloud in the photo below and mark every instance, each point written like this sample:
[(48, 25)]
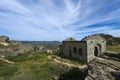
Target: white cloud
[(56, 20)]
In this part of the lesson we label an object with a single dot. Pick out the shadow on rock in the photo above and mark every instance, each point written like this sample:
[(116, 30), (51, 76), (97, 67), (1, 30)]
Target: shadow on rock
[(116, 75), (73, 74)]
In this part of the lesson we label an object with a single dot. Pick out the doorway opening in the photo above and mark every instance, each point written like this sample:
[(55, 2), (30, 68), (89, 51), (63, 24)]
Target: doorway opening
[(96, 51)]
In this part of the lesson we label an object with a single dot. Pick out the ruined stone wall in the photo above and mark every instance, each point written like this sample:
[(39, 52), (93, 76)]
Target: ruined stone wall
[(69, 51)]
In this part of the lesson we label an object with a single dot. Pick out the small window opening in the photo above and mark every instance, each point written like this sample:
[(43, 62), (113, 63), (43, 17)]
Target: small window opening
[(74, 49), (80, 51)]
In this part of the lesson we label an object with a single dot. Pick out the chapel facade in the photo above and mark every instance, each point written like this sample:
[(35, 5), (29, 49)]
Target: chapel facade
[(85, 50)]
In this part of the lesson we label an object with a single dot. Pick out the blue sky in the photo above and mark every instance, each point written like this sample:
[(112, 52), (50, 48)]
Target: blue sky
[(58, 19)]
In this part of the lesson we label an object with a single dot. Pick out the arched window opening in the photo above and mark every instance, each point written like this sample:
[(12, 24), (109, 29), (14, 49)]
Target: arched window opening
[(74, 49), (80, 51), (70, 53)]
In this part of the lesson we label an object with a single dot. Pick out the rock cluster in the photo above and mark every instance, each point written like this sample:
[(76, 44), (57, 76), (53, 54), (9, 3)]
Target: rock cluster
[(4, 38), (12, 47), (103, 70), (4, 41)]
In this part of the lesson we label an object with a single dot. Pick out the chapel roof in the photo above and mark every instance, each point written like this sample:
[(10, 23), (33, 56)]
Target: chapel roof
[(70, 39)]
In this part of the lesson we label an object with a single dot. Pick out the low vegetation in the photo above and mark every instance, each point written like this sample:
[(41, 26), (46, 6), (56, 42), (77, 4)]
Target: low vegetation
[(7, 70), (114, 48), (30, 67)]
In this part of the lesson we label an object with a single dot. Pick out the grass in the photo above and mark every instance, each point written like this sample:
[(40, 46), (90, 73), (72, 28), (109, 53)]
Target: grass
[(114, 48), (7, 70), (30, 67)]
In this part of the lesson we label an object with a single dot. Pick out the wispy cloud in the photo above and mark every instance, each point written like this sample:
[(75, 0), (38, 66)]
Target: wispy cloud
[(58, 19)]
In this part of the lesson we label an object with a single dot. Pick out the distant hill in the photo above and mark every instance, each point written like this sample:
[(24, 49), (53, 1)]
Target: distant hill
[(106, 36), (47, 44), (111, 40), (40, 42)]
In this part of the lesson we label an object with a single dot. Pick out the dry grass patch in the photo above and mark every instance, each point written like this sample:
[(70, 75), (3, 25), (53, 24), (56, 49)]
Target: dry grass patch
[(114, 48)]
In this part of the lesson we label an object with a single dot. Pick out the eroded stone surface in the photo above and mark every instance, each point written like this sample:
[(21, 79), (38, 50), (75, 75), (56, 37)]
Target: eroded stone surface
[(101, 69)]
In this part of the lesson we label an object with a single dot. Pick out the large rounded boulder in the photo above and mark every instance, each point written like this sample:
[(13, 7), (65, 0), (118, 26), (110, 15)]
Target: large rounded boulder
[(4, 38)]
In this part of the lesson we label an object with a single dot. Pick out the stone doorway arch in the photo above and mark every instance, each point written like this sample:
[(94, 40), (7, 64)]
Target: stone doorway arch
[(97, 50)]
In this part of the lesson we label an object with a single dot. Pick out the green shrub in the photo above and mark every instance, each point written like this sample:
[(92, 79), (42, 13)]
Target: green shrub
[(18, 58), (46, 71), (30, 67), (7, 70), (114, 48)]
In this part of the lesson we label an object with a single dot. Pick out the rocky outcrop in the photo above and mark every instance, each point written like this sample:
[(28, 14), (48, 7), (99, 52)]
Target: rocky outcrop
[(102, 69), (73, 74), (112, 55), (4, 39), (13, 50), (12, 47), (98, 69), (39, 48)]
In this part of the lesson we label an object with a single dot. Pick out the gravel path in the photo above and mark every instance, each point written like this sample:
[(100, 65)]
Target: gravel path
[(67, 64), (5, 60)]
